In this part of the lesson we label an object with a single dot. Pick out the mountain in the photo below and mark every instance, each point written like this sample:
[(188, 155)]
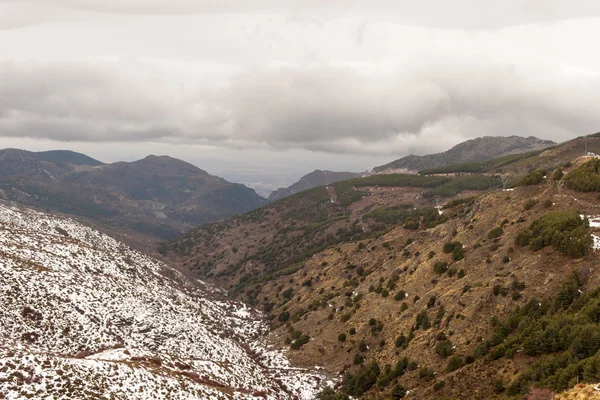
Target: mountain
[(158, 196), (66, 156), (427, 286), (49, 164), (309, 181), (479, 149), (84, 316)]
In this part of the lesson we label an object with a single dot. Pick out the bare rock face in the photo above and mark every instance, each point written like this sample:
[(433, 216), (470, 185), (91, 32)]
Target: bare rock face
[(84, 316), (479, 149)]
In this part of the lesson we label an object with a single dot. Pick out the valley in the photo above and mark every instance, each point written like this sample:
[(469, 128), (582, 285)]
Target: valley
[(437, 285), (366, 273)]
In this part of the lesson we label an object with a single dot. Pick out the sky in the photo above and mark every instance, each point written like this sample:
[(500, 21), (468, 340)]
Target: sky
[(264, 91)]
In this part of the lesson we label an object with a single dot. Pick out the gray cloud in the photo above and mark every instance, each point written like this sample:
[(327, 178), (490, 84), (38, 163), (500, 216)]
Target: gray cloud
[(328, 109), (457, 14)]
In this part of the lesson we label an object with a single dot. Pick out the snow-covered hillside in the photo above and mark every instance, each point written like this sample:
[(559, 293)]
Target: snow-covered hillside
[(84, 316)]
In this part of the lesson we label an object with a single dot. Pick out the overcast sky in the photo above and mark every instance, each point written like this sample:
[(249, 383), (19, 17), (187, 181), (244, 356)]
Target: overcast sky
[(275, 88)]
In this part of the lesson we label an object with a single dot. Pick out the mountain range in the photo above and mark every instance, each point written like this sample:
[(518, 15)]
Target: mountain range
[(159, 196), (472, 280)]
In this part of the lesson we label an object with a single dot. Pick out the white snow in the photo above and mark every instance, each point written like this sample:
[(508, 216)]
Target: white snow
[(596, 244), (594, 221), (83, 315)]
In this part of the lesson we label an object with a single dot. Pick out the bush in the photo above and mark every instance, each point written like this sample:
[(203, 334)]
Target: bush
[(400, 295), (358, 359), (329, 394), (564, 335), (342, 337), (284, 316), (450, 246), (456, 248), (412, 225), (439, 385), (422, 321), (495, 233), (440, 267), (431, 302), (301, 341), (530, 203), (585, 178), (499, 386), (345, 317), (444, 349), (564, 230), (426, 374), (557, 174), (398, 392), (533, 178), (458, 254), (400, 340), (454, 363), (357, 385)]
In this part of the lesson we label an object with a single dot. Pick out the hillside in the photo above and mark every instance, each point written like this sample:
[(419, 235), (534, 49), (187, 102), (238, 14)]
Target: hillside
[(275, 240), (309, 181), (488, 296), (479, 149), (520, 164), (50, 164), (157, 196), (84, 316)]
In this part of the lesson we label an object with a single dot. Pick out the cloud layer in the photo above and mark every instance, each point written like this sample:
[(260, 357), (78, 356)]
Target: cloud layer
[(345, 77), (324, 108)]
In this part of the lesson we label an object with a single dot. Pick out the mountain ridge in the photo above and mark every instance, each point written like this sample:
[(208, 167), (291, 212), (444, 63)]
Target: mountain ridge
[(477, 149), (158, 195), (316, 178)]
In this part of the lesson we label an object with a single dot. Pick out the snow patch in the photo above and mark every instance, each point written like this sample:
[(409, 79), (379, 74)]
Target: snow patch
[(86, 316)]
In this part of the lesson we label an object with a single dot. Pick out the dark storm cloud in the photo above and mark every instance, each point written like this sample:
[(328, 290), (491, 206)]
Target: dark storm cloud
[(320, 109)]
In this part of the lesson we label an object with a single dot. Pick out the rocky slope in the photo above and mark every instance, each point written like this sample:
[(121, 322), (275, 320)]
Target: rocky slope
[(275, 240), (309, 181), (402, 303), (84, 316), (580, 392), (157, 196), (479, 149)]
